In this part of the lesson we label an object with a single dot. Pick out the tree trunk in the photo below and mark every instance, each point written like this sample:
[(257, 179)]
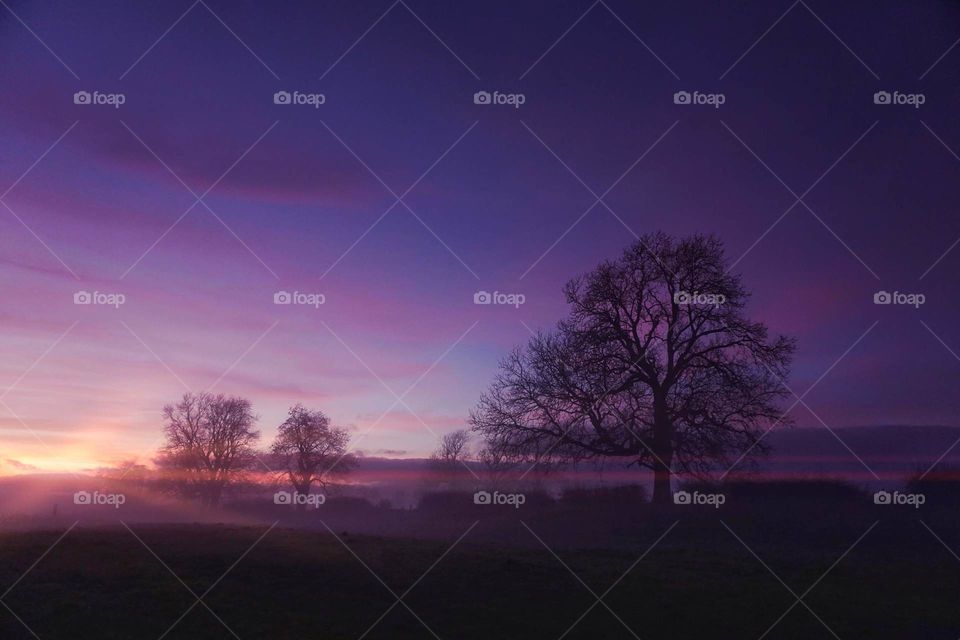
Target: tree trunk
[(213, 494), (304, 490), (662, 490), (663, 455)]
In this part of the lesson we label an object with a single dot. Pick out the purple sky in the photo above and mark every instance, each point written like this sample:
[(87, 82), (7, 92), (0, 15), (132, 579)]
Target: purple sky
[(299, 196)]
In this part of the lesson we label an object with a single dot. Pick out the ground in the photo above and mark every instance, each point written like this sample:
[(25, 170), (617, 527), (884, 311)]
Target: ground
[(699, 581)]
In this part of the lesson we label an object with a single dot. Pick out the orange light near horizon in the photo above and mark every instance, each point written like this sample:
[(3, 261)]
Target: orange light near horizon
[(88, 446), (50, 464), (73, 458)]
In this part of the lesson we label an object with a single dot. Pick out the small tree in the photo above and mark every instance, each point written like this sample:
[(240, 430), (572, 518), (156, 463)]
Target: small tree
[(452, 451), (498, 464), (210, 440), (308, 450), (451, 459), (656, 364)]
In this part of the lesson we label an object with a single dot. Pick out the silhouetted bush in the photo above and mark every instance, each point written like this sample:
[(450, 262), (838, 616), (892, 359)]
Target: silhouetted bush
[(794, 492), (445, 501), (467, 502), (600, 497), (537, 500), (347, 505), (940, 488)]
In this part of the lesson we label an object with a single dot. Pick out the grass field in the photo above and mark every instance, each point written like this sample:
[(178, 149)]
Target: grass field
[(700, 581)]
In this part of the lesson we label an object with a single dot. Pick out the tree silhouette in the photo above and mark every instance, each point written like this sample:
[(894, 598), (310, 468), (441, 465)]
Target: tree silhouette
[(452, 451), (308, 450), (451, 459), (209, 441), (656, 364)]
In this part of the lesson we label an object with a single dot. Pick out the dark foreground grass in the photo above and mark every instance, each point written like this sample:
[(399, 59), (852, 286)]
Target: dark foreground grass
[(108, 584)]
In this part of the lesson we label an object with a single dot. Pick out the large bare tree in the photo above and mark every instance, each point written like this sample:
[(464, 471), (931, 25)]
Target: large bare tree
[(210, 440), (309, 450), (656, 364)]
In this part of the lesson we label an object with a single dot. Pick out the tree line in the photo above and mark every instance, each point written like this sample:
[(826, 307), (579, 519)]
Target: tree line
[(211, 442), (656, 364)]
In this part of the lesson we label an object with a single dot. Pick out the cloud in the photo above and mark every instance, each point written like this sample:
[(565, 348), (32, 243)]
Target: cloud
[(405, 421), (19, 466)]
